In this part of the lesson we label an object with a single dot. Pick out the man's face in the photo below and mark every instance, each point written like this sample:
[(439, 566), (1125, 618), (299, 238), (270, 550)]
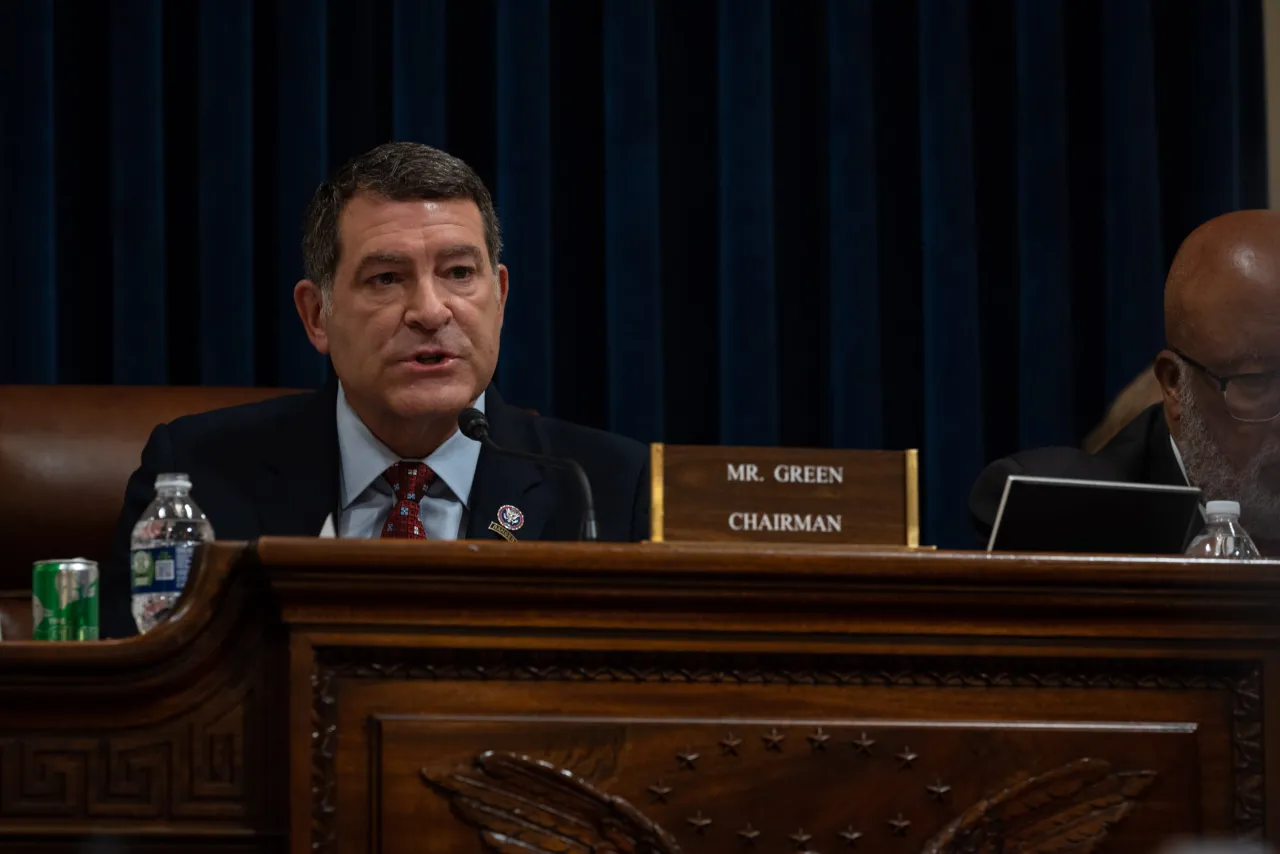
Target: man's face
[(1233, 327), (415, 316), (1212, 468)]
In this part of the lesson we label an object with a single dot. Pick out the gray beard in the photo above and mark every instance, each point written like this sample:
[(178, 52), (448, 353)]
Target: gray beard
[(1208, 468)]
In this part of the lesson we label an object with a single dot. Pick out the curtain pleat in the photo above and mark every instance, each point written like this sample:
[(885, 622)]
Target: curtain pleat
[(1134, 254), (29, 342), (418, 73), (843, 223), (299, 161), (748, 335), (633, 242), (1215, 102), (689, 203), (359, 59), (225, 227), (524, 193), (855, 384), (138, 264), (1046, 409), (953, 383)]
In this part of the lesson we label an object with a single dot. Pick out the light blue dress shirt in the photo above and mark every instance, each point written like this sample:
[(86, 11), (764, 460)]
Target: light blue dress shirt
[(367, 497)]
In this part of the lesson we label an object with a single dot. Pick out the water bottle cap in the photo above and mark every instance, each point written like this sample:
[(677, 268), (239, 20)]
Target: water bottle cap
[(173, 480), (1222, 508)]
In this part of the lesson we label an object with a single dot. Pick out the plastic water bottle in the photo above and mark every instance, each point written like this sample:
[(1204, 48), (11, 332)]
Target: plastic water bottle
[(163, 545), (1222, 536)]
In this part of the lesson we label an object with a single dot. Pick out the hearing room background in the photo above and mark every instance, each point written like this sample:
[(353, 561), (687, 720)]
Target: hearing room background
[(939, 224)]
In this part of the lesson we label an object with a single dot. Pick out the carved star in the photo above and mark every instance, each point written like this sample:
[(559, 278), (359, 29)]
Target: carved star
[(938, 791), (749, 834), (800, 838), (863, 744), (687, 759), (660, 791), (729, 745), (700, 822), (818, 739), (773, 740), (907, 758), (850, 836), (899, 825)]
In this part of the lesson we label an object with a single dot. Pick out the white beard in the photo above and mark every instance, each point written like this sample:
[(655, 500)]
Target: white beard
[(1208, 468)]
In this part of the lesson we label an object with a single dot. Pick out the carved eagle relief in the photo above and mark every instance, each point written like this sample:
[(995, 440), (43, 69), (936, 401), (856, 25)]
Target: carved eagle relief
[(522, 805), (1069, 810)]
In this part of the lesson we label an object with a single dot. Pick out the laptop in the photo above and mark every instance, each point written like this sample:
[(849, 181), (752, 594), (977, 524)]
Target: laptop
[(1050, 514)]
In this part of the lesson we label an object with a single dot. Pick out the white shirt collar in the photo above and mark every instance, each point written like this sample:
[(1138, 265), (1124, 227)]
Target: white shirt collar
[(364, 458), (1177, 455)]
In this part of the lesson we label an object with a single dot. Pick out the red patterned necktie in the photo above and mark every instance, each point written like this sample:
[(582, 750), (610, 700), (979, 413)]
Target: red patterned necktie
[(409, 481)]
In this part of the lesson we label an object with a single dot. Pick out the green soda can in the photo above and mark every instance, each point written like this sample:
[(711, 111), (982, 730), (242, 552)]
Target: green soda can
[(64, 600)]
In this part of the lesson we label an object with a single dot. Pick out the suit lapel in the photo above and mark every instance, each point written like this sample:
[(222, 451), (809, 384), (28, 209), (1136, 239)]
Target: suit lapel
[(300, 483), (1142, 452), (300, 487), (502, 481)]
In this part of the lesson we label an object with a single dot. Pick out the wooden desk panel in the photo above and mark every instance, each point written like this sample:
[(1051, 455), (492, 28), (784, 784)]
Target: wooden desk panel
[(305, 686), (795, 727), (170, 742), (912, 781)]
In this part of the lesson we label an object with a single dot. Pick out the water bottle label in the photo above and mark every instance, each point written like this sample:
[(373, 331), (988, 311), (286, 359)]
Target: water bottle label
[(163, 569)]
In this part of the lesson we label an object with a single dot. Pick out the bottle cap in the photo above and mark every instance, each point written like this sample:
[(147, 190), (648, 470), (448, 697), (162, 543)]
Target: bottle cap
[(1222, 508), (173, 480)]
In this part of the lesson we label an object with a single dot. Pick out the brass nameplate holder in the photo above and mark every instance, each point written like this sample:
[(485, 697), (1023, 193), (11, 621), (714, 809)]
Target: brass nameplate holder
[(837, 497)]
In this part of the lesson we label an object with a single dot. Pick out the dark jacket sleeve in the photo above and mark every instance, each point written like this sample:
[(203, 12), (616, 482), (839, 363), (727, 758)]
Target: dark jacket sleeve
[(116, 619)]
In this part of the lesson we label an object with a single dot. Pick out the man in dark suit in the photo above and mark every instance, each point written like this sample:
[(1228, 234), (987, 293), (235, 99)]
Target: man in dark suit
[(405, 294), (1218, 425)]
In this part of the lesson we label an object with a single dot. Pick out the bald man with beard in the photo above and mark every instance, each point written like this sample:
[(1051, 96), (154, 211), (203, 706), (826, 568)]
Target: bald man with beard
[(1217, 426)]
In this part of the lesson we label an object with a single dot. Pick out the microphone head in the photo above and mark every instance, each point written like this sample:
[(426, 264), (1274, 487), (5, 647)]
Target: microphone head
[(473, 424)]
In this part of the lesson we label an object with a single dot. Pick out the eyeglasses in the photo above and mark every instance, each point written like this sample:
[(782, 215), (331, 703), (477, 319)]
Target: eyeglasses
[(1252, 398)]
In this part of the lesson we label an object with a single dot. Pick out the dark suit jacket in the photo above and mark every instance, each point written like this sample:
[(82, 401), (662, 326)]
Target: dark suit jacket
[(272, 469), (1140, 453)]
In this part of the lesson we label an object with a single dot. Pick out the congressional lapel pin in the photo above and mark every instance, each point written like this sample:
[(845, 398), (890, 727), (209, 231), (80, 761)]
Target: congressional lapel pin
[(509, 519)]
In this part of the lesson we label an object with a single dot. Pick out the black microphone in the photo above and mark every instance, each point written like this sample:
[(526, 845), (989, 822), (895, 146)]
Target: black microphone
[(474, 425)]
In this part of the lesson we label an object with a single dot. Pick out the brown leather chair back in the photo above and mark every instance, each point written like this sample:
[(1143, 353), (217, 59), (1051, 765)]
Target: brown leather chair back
[(1143, 391), (66, 453)]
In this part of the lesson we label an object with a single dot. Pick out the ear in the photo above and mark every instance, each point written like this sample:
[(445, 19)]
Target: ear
[(1169, 372), (310, 304), (502, 291)]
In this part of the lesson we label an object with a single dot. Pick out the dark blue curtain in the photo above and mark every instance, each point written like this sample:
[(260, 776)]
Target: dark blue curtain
[(939, 224)]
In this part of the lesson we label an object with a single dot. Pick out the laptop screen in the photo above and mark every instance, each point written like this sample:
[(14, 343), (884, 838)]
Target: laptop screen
[(1045, 514)]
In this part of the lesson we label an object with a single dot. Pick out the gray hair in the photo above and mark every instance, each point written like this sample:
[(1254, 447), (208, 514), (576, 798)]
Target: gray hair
[(400, 171)]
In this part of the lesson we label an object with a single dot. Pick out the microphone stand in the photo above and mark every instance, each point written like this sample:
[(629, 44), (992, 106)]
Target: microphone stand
[(476, 426)]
